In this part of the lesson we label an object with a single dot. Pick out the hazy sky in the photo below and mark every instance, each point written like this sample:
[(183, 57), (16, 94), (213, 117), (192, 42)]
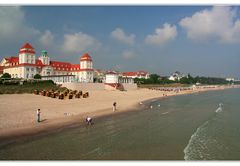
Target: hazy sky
[(201, 40)]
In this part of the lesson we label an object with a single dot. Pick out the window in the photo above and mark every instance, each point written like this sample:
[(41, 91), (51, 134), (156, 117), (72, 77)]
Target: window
[(32, 69), (27, 69)]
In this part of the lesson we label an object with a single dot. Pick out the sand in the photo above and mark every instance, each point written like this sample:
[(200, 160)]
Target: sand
[(18, 111)]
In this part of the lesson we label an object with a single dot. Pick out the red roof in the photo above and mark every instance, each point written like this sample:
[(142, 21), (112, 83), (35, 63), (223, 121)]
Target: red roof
[(61, 66), (27, 51), (129, 73), (137, 73), (12, 59), (27, 48), (39, 62), (75, 66), (86, 57), (27, 45)]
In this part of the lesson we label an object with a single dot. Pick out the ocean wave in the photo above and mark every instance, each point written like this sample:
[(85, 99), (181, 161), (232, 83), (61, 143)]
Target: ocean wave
[(193, 149), (200, 143)]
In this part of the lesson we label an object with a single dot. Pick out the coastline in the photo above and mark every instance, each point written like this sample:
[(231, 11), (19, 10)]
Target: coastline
[(10, 133)]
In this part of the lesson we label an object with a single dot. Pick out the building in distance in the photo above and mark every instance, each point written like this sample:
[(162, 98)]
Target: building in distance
[(26, 65)]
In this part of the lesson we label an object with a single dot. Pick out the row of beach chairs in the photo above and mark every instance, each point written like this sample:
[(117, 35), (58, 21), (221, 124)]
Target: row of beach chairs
[(66, 94), (171, 89)]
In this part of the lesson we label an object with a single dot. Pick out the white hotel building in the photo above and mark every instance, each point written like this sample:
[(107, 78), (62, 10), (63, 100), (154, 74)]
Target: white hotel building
[(26, 65)]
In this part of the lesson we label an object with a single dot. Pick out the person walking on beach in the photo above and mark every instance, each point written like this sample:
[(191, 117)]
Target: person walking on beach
[(114, 106), (38, 115)]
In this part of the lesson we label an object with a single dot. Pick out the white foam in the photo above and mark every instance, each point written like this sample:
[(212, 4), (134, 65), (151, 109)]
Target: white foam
[(188, 150), (220, 108), (165, 113)]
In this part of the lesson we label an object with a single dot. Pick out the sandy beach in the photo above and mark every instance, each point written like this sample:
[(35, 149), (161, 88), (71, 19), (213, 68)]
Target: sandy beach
[(18, 111)]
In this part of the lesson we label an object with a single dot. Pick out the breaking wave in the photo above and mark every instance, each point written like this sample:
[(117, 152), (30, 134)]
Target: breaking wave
[(201, 143)]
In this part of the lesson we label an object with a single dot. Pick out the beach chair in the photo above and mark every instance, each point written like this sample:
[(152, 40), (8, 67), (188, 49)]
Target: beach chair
[(70, 96), (36, 92), (85, 95), (80, 93), (61, 96), (49, 94), (53, 95), (77, 95), (43, 93)]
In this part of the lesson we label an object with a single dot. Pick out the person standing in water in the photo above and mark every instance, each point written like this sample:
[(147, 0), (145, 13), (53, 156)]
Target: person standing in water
[(38, 115), (89, 120)]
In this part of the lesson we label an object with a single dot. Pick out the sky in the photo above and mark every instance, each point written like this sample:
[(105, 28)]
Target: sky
[(200, 40)]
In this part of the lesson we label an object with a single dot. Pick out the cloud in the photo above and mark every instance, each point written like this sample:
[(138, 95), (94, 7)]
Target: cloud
[(119, 35), (79, 42), (217, 23), (162, 35), (47, 38), (128, 54), (13, 24)]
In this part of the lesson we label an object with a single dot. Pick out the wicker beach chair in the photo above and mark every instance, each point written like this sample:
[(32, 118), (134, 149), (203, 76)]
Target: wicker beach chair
[(43, 93), (61, 96), (36, 92), (70, 96)]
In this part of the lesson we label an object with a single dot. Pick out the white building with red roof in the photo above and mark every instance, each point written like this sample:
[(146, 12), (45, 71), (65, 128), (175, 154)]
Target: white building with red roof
[(26, 65), (136, 74)]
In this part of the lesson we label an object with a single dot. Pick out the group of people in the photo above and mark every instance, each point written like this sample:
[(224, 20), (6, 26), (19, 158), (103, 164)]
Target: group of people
[(89, 120)]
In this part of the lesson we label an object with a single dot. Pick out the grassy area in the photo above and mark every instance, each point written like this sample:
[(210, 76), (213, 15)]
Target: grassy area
[(28, 87), (162, 85)]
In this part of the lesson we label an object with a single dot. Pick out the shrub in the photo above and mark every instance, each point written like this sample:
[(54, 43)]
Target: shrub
[(37, 76), (6, 75)]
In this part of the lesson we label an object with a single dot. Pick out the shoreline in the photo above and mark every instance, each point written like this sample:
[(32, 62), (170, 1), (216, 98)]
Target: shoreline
[(57, 124)]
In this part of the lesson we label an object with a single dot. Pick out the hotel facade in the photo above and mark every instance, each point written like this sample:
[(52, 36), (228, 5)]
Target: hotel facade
[(26, 65)]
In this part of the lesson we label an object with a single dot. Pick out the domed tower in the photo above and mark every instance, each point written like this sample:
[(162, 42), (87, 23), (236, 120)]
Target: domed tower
[(86, 67), (27, 54), (44, 58)]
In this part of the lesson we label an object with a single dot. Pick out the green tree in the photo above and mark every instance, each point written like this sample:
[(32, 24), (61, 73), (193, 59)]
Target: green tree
[(37, 76), (154, 78), (6, 75)]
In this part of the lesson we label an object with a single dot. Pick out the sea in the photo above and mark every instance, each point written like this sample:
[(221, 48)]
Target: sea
[(200, 126)]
